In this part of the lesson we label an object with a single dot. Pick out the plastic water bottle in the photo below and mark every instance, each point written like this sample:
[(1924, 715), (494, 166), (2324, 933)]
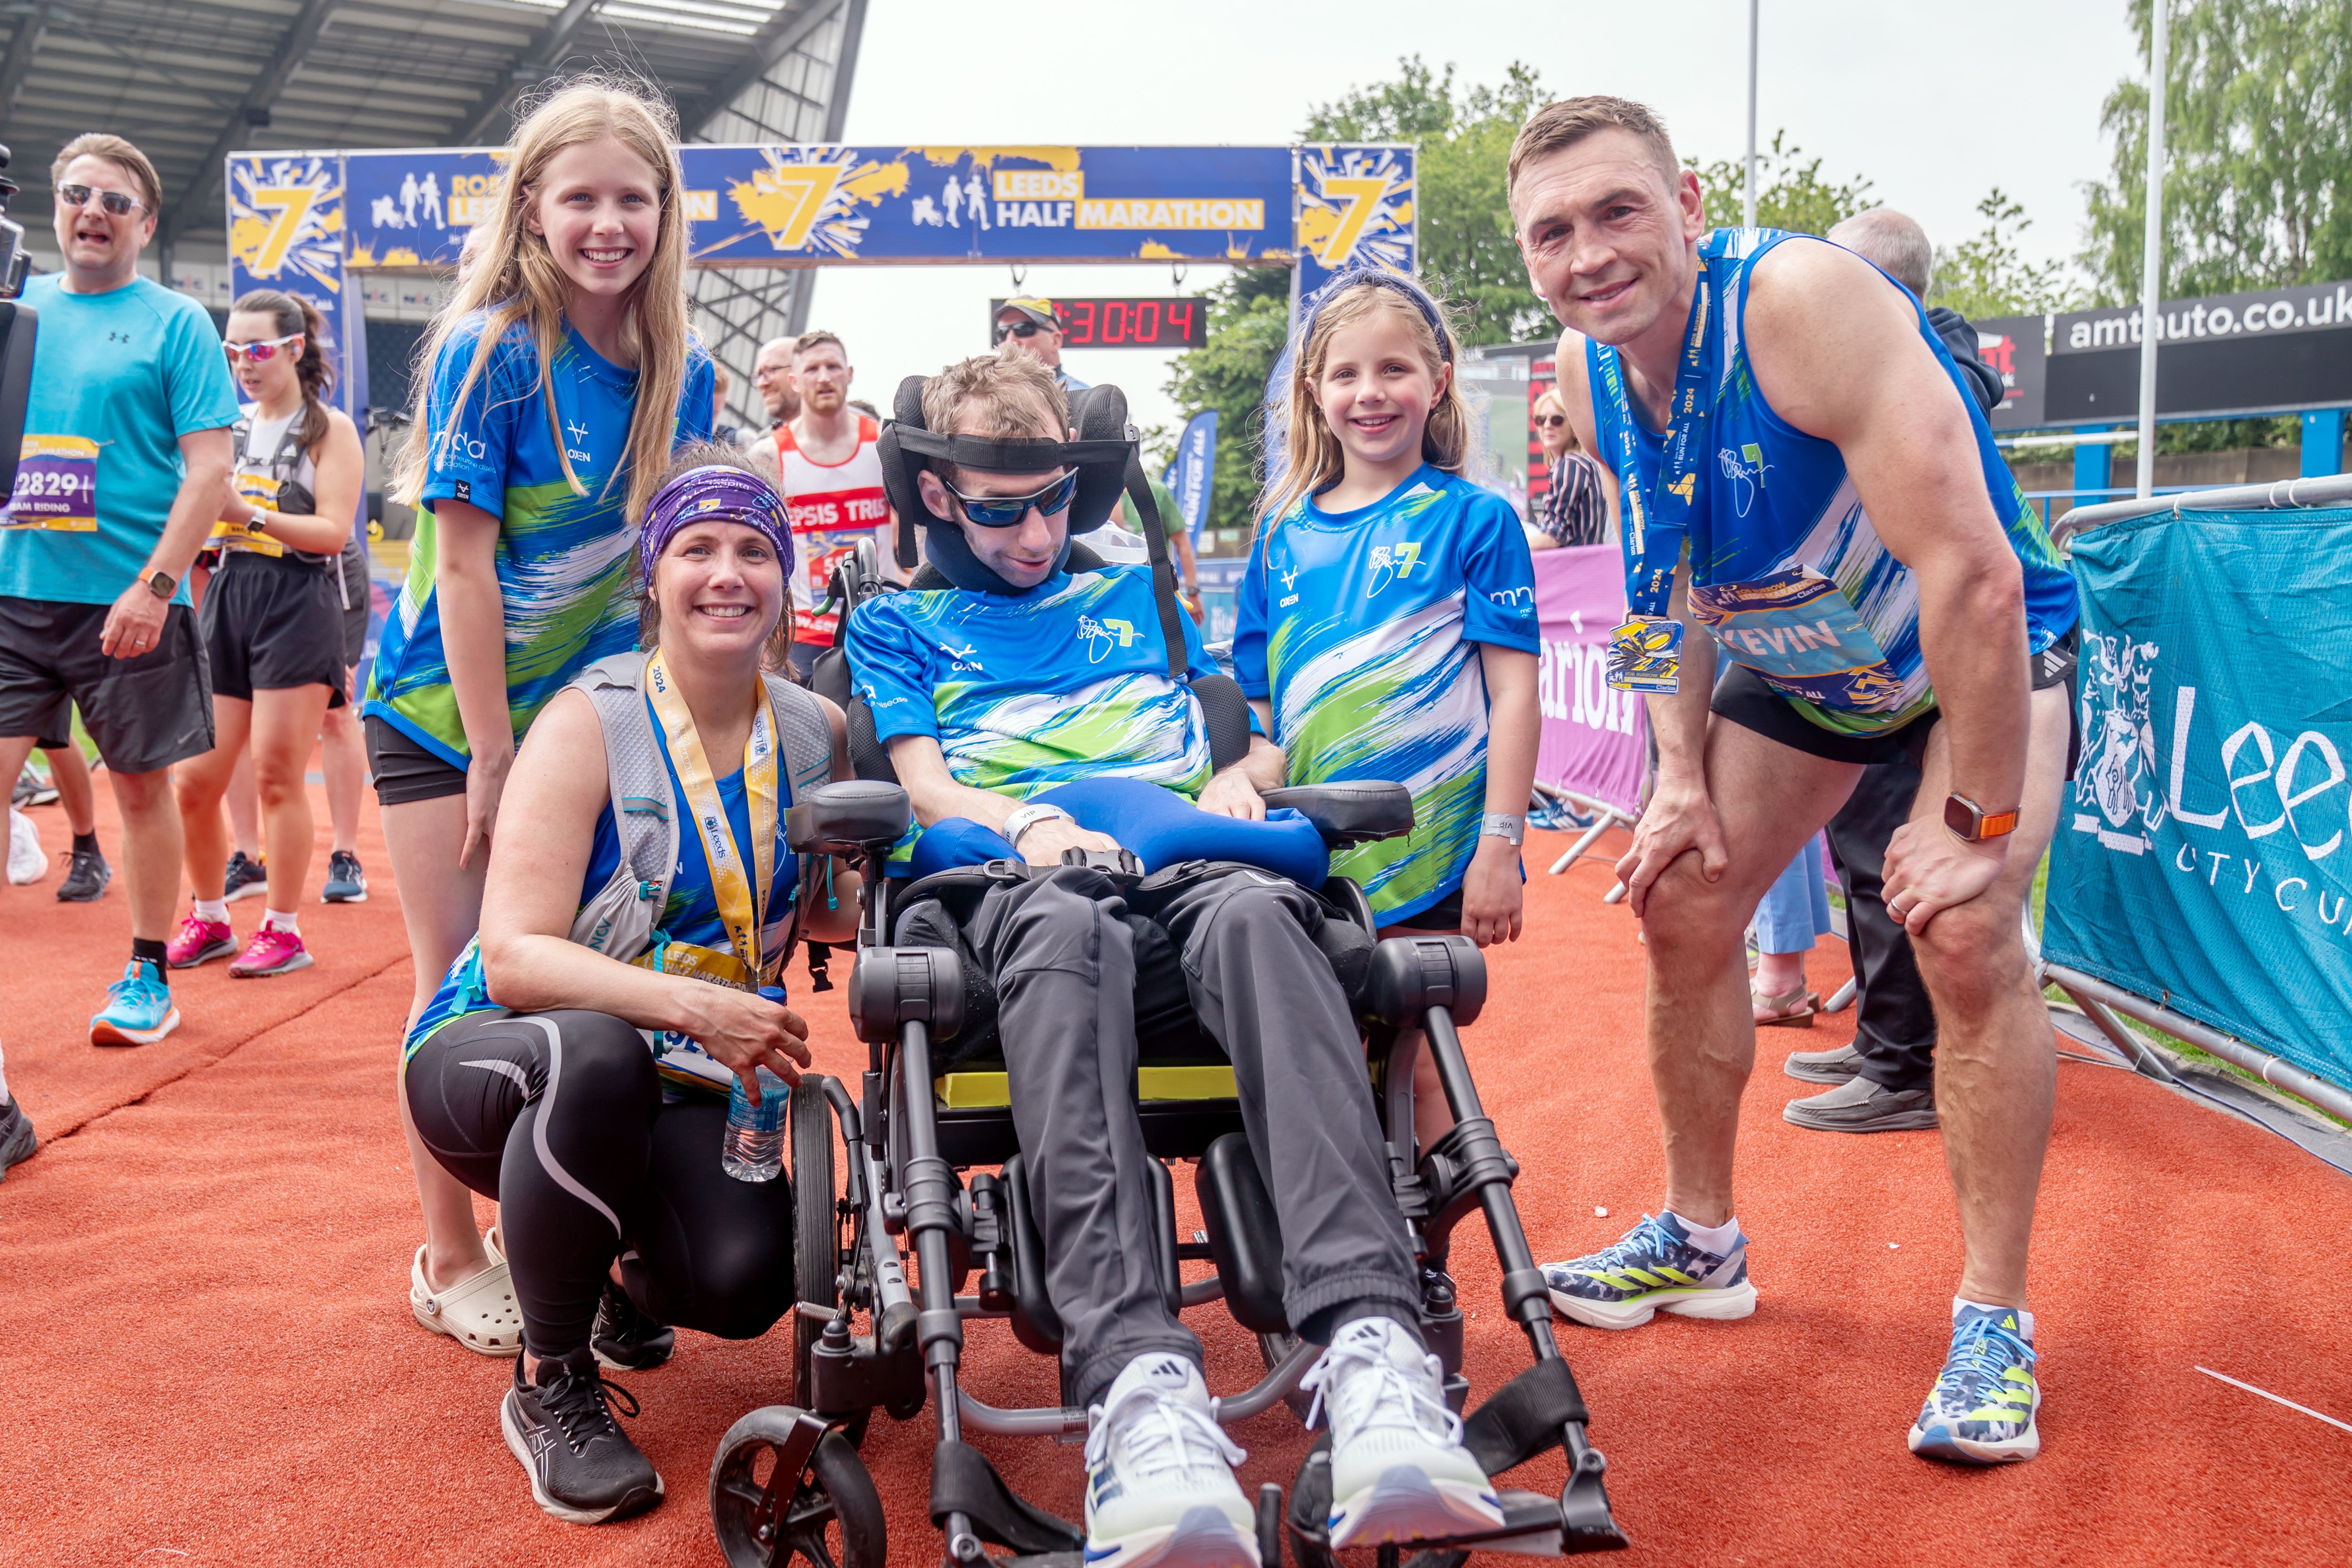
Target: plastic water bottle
[(753, 1149)]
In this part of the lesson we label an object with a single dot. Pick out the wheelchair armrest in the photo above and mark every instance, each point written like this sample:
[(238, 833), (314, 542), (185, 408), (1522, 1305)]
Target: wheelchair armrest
[(849, 815), (1353, 813)]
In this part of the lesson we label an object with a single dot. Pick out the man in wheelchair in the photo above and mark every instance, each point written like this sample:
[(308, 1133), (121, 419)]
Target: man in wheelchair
[(1025, 675)]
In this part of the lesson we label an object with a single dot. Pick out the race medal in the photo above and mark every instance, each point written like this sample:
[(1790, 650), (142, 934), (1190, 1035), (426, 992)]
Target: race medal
[(56, 485), (1646, 654), (740, 883)]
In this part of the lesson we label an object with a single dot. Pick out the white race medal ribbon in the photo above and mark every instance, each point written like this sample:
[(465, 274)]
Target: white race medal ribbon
[(738, 909)]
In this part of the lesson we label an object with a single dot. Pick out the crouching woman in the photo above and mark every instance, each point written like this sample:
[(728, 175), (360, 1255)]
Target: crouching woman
[(576, 1063)]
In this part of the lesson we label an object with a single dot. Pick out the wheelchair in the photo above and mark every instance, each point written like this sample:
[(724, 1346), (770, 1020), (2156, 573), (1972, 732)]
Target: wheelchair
[(894, 1168)]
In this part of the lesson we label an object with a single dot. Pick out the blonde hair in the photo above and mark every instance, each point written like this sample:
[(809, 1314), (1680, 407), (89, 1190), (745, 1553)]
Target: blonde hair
[(519, 282), (1010, 390), (118, 152), (1559, 406), (1313, 459)]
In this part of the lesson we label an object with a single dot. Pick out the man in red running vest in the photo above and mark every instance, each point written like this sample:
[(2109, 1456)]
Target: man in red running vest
[(824, 464)]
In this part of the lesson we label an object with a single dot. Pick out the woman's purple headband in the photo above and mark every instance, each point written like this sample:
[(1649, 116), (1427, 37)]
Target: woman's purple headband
[(714, 493)]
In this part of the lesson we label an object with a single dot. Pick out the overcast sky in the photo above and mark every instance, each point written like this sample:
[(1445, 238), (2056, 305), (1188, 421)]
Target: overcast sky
[(1933, 101)]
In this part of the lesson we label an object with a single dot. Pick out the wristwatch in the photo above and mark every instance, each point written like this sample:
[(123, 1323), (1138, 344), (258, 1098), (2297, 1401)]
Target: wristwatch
[(258, 521), (1025, 818), (1505, 825), (1971, 822), (163, 585)]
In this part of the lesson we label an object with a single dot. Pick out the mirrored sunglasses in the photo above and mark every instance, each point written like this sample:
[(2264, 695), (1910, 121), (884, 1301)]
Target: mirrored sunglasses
[(1004, 512), (115, 201), (258, 353)]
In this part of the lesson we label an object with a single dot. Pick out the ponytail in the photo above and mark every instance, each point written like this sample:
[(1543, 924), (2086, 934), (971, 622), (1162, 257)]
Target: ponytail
[(290, 313)]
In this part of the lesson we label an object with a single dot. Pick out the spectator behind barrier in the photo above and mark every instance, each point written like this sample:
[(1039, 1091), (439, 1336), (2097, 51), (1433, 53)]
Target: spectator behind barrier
[(1051, 677), (126, 464), (621, 1219), (1579, 504)]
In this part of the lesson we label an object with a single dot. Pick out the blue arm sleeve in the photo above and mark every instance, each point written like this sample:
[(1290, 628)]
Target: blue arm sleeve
[(471, 448), (1501, 576), (1250, 627), (890, 667)]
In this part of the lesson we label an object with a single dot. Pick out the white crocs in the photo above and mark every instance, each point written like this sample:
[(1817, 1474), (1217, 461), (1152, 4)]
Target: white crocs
[(479, 1312)]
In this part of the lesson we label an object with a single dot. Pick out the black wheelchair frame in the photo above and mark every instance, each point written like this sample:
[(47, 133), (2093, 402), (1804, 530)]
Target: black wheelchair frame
[(787, 1480)]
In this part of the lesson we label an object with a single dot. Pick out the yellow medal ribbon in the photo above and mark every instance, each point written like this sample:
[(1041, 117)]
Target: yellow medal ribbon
[(739, 911)]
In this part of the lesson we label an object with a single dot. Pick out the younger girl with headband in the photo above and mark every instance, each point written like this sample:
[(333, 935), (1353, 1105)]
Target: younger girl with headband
[(1387, 625)]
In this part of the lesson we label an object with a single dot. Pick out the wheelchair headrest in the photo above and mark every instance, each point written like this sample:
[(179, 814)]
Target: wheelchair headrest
[(1104, 446)]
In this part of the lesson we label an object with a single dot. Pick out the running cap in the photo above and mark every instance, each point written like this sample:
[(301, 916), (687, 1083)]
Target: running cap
[(714, 492), (1036, 307)]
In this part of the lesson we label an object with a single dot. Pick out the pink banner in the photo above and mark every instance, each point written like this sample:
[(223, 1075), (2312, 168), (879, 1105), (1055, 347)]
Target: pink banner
[(1592, 736)]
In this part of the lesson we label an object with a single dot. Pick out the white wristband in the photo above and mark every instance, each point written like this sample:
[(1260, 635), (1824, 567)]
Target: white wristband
[(1507, 826), (1025, 818)]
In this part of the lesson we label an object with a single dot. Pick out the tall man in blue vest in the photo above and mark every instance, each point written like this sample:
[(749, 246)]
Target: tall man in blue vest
[(1810, 492)]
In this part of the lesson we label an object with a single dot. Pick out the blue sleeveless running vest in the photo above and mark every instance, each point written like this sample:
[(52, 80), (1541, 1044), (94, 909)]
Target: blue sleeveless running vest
[(1786, 570)]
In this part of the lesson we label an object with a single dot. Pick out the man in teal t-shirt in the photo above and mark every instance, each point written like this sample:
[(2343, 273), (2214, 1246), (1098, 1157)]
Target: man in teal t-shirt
[(125, 465)]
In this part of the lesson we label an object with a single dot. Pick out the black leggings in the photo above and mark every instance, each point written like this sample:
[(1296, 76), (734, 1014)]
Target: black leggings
[(559, 1116)]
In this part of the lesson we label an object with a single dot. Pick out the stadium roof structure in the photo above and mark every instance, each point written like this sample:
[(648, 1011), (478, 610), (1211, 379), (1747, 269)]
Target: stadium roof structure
[(190, 81)]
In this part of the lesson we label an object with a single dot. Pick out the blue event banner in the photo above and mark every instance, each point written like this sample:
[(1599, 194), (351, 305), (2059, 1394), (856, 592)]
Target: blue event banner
[(2203, 855), (835, 206), (1194, 474)]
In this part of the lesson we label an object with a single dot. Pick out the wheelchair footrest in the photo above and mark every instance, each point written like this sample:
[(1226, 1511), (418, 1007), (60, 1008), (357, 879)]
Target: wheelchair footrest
[(964, 1483), (1524, 1418)]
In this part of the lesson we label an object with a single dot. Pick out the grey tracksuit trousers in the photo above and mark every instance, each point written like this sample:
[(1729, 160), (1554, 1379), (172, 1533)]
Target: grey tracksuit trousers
[(1062, 952)]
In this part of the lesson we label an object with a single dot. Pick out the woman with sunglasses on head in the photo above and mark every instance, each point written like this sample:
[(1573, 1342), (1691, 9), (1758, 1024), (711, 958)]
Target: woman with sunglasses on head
[(272, 625), (1580, 507), (551, 391)]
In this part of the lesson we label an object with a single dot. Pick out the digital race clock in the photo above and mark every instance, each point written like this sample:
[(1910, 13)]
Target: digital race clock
[(1178, 323)]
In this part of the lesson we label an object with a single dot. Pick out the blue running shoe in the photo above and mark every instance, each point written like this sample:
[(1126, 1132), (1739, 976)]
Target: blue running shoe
[(243, 878), (1982, 1411), (1652, 1269), (138, 1011)]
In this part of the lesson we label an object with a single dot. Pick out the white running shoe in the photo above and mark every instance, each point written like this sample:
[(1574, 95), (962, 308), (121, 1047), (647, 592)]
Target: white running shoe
[(26, 864), (1399, 1471), (1160, 1481)]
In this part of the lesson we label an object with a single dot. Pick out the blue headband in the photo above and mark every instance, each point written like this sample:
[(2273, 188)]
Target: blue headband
[(715, 493)]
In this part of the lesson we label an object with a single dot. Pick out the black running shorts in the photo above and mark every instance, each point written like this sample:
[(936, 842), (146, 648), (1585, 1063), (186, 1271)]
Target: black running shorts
[(271, 624), (404, 771), (354, 603), (146, 713), (1743, 698)]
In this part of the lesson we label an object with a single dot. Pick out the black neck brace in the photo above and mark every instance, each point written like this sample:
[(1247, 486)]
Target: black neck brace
[(947, 549)]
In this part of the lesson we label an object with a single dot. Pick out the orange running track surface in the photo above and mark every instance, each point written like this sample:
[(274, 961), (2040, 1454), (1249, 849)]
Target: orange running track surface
[(210, 1360)]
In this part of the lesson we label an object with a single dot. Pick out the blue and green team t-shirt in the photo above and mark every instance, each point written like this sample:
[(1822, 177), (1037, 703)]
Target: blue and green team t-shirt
[(563, 559), (690, 914), (1361, 630), (119, 378), (1786, 569), (1067, 681)]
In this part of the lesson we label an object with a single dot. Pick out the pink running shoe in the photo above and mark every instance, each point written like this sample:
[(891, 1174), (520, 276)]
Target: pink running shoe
[(271, 951), (199, 941)]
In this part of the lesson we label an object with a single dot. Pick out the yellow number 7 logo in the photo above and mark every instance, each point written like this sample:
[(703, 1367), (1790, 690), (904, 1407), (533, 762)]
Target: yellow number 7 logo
[(785, 200), (1362, 196), (292, 205)]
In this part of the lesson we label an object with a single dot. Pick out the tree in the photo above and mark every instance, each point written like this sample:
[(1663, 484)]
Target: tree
[(1987, 276), (1468, 253), (1788, 195), (2258, 148)]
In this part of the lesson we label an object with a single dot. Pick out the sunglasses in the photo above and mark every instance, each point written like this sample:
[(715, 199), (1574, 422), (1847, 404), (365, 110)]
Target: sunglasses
[(259, 353), (1004, 512), (1550, 421), (1016, 330), (115, 201)]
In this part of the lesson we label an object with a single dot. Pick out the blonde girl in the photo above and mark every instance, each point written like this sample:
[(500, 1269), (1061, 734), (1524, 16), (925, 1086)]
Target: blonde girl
[(550, 392)]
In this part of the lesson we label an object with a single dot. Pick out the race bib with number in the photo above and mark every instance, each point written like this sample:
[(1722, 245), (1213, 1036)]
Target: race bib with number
[(1800, 633), (257, 489), (56, 485)]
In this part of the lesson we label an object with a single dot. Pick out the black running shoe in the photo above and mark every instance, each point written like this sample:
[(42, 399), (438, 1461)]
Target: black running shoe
[(346, 883), (582, 1468), (625, 1338), (244, 878), (86, 878), (16, 1140)]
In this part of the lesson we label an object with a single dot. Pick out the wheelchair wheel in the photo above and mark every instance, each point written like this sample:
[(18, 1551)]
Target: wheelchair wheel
[(829, 1515), (817, 1227)]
